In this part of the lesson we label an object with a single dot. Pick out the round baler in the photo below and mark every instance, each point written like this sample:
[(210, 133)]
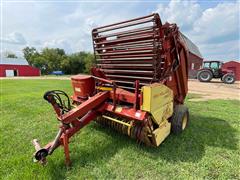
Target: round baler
[(137, 86)]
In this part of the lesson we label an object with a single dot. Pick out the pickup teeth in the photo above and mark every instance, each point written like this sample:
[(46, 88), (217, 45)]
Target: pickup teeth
[(137, 131)]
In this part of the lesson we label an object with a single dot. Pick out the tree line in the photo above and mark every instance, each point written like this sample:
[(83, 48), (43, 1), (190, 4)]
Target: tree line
[(55, 59)]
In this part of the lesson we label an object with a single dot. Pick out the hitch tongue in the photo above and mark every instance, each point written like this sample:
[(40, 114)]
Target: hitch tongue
[(40, 154), (36, 144)]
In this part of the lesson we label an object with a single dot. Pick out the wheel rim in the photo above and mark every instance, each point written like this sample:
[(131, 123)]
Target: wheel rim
[(184, 121), (229, 79), (205, 76)]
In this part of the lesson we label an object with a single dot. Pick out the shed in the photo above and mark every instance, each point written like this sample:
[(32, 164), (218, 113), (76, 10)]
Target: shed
[(235, 67), (195, 57), (10, 67)]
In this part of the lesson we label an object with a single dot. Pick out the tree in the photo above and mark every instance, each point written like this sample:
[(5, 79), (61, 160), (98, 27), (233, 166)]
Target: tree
[(52, 59), (89, 62), (40, 63), (81, 62), (76, 63), (29, 54)]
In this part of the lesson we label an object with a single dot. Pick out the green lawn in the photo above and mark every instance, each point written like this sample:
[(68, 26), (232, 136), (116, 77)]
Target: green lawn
[(208, 149)]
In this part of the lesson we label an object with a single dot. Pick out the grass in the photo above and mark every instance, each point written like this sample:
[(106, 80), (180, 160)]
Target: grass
[(193, 96), (208, 149)]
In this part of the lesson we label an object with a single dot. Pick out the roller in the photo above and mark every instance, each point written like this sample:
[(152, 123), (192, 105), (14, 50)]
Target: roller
[(140, 131)]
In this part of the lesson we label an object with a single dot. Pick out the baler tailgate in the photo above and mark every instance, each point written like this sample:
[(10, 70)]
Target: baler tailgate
[(132, 51)]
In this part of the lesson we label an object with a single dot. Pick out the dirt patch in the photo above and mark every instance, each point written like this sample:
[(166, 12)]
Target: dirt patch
[(214, 90)]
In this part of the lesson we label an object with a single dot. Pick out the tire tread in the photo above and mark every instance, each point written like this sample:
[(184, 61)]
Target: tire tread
[(176, 120)]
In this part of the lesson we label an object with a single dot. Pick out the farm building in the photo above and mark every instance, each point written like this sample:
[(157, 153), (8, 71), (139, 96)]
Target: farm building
[(235, 67), (195, 57), (10, 67)]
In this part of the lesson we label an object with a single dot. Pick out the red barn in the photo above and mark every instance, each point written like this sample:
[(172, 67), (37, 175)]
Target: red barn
[(10, 67), (235, 67), (195, 57)]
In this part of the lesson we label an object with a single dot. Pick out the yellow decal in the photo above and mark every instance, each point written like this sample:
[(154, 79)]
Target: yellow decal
[(118, 109), (78, 89)]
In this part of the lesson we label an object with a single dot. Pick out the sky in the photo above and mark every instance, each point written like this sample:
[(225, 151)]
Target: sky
[(212, 25)]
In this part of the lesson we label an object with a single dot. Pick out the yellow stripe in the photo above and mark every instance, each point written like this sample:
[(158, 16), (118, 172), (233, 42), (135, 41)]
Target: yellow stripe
[(104, 88)]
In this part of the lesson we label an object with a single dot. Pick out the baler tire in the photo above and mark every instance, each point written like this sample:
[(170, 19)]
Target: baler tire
[(180, 119), (201, 78), (226, 77)]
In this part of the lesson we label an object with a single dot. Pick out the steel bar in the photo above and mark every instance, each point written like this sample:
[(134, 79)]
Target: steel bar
[(117, 59), (130, 77), (115, 120), (123, 25), (145, 45), (131, 57), (127, 62), (84, 107), (126, 52), (127, 87), (112, 72), (150, 41), (127, 71), (135, 19), (127, 65), (129, 82), (144, 29), (138, 33), (121, 40), (56, 141)]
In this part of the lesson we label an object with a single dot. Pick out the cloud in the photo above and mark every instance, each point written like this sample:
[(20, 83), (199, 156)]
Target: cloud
[(215, 30), (184, 13), (68, 25), (221, 51), (85, 17), (14, 38), (59, 43), (220, 22)]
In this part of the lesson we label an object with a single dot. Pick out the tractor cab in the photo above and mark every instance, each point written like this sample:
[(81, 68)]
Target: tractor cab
[(215, 66), (212, 64)]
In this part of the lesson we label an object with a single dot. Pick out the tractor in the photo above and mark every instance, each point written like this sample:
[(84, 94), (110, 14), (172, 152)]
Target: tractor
[(214, 69)]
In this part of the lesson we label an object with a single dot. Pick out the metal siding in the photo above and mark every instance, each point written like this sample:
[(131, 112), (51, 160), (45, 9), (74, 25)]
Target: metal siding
[(23, 70), (13, 61), (192, 48), (192, 73), (233, 64), (195, 57)]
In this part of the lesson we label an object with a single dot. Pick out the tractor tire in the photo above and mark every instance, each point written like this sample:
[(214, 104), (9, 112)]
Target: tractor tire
[(204, 75), (228, 78), (222, 78), (180, 119)]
